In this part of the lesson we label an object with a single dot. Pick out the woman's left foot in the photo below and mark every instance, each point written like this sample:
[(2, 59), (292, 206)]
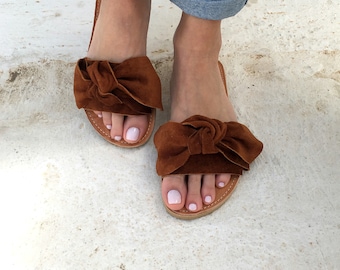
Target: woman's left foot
[(197, 88)]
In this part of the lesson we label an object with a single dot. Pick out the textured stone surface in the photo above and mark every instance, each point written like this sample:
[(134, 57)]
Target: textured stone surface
[(69, 200)]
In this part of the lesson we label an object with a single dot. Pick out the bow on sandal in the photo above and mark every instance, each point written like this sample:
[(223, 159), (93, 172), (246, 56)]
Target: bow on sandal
[(200, 145), (129, 88)]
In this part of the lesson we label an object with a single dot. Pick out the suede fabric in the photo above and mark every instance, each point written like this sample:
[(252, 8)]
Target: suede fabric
[(130, 88), (200, 145)]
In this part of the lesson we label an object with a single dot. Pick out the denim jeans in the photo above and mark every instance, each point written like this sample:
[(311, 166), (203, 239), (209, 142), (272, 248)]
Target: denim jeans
[(210, 9)]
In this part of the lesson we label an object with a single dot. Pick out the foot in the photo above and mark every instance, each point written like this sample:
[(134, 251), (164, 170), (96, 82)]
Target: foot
[(197, 88), (120, 33)]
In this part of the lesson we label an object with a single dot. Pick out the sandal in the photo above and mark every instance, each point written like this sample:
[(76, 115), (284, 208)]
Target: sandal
[(128, 88), (200, 145)]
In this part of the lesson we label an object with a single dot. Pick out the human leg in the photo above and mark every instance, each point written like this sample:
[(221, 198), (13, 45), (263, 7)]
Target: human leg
[(197, 89), (196, 85), (120, 33)]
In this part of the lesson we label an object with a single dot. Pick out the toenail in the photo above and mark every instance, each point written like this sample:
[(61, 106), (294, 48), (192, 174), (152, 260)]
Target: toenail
[(192, 207), (132, 134), (208, 199), (117, 138), (221, 184), (174, 197), (100, 115), (108, 126)]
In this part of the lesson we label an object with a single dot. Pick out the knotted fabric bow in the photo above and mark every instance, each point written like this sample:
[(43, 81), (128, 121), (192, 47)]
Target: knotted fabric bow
[(131, 87), (200, 145)]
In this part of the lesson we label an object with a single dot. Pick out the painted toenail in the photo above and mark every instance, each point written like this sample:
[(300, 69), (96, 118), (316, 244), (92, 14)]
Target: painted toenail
[(117, 138), (108, 126), (221, 184), (174, 197), (192, 207), (208, 199), (132, 134)]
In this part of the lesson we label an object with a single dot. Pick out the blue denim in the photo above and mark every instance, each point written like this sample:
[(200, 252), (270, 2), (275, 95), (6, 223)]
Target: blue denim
[(210, 9)]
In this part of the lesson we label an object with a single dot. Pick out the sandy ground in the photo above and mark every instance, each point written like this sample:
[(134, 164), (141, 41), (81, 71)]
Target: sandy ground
[(69, 200)]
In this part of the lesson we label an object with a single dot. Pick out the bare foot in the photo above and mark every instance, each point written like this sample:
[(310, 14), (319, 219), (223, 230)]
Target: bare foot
[(120, 33), (197, 88)]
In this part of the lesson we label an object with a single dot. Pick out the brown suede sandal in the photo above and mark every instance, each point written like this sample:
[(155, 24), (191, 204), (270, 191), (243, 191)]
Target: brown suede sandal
[(200, 145), (128, 88)]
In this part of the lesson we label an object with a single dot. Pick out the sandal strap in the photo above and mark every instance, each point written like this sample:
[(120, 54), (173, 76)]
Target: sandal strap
[(200, 145), (131, 87)]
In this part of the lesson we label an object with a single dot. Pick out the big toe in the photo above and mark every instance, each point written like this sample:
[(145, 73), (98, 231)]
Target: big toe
[(222, 180), (174, 192), (135, 127)]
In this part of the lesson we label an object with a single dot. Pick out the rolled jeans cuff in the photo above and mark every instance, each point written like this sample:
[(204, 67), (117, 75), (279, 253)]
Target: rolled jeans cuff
[(210, 9)]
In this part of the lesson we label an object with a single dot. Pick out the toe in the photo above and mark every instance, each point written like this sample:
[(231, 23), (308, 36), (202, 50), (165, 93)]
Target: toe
[(99, 114), (114, 123), (208, 189), (174, 191), (107, 120), (135, 128), (194, 200), (222, 180), (117, 121)]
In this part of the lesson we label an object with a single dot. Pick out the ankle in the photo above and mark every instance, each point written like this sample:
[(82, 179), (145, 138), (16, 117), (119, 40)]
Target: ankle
[(120, 35), (198, 37)]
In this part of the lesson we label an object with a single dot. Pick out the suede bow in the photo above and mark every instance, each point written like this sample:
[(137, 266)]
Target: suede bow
[(131, 87), (200, 145)]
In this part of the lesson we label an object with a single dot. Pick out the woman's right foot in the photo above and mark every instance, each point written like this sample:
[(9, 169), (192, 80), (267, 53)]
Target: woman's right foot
[(120, 33)]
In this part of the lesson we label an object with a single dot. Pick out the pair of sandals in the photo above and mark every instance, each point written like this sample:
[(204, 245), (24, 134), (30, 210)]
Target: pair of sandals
[(198, 145)]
